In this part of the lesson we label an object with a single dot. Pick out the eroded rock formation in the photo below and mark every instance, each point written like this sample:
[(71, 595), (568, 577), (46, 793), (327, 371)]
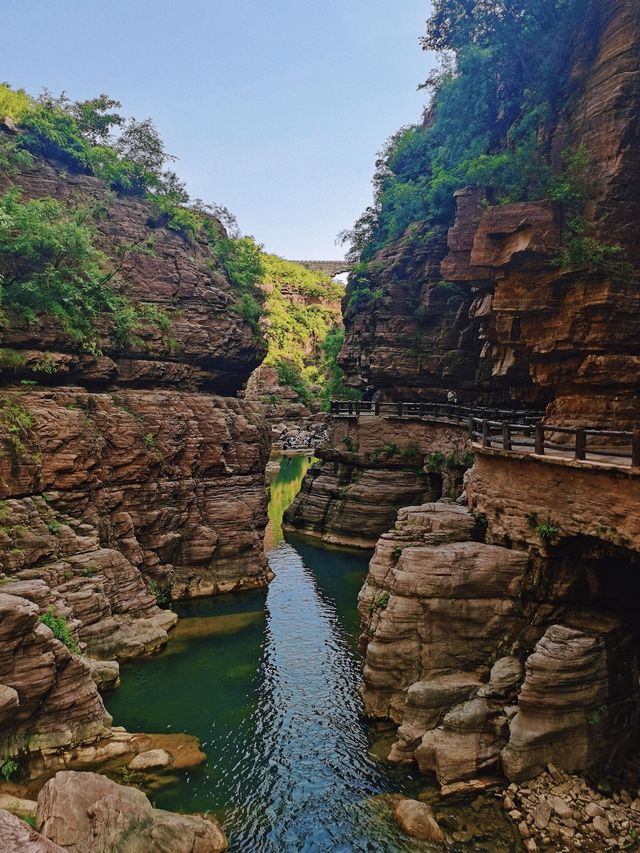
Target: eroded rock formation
[(126, 479), (372, 467), (491, 310), (83, 811), (494, 658)]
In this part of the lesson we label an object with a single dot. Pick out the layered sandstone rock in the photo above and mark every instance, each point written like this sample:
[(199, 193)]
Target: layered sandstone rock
[(210, 345), (492, 659), (125, 478), (511, 322), (373, 467), (45, 689), (16, 835)]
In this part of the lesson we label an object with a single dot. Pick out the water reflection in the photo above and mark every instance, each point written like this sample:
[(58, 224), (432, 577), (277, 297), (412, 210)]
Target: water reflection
[(270, 688)]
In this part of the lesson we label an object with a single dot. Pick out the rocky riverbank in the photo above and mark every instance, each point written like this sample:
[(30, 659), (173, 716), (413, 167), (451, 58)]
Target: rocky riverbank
[(561, 812)]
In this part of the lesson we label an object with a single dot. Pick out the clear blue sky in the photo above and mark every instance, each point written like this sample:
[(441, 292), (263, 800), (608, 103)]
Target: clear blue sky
[(275, 108)]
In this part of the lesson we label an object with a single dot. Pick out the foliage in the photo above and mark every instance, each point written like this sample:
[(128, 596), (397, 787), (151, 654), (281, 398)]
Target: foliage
[(580, 251), (241, 259), (494, 99), (380, 602), (91, 136), (303, 336), (291, 375), (17, 421), (161, 592), (60, 628), (334, 387), (49, 265), (8, 767), (547, 532), (350, 444)]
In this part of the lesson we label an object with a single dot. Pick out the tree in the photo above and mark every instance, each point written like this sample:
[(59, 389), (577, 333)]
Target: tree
[(94, 119), (142, 145)]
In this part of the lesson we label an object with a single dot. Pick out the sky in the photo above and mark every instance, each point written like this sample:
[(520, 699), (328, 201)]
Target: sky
[(274, 108)]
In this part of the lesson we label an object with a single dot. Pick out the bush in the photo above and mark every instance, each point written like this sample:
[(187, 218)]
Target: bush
[(291, 376), (50, 265), (60, 628), (8, 768), (494, 100)]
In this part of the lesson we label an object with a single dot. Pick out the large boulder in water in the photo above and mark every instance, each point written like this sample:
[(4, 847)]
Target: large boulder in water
[(417, 820), (86, 811)]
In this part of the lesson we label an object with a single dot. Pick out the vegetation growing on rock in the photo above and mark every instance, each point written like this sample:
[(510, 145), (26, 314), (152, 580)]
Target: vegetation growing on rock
[(304, 330), (503, 77), (50, 263)]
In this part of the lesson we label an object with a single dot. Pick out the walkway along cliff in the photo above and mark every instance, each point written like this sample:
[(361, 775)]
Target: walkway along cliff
[(500, 615)]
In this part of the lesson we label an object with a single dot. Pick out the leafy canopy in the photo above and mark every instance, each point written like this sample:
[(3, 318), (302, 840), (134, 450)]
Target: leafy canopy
[(504, 69)]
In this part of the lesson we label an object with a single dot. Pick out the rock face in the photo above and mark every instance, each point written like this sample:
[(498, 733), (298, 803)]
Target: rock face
[(45, 689), (84, 811), (495, 659), (504, 639), (510, 322), (373, 467), (210, 345), (16, 835), (126, 479), (417, 820), (161, 482)]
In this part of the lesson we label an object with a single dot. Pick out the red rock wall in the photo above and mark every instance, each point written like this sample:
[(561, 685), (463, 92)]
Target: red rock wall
[(517, 326), (372, 467), (124, 476)]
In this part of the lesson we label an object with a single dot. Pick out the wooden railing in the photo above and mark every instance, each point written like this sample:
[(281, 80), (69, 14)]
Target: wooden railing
[(512, 430), (582, 443), (445, 412)]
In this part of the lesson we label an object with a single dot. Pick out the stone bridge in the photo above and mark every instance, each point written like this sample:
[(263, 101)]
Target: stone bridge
[(330, 268)]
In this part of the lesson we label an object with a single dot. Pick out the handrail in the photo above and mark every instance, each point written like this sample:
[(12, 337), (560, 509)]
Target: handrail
[(505, 429), (504, 435), (446, 412)]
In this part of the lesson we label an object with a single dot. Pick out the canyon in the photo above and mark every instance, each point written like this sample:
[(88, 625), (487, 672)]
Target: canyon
[(491, 474), (499, 620)]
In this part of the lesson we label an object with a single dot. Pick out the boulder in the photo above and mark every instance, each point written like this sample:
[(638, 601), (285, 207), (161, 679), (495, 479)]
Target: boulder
[(416, 819), (152, 759), (16, 836), (87, 812)]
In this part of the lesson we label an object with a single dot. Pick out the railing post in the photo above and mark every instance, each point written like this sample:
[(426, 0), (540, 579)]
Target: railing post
[(635, 449), (471, 428), (581, 444), (399, 410), (539, 446), (350, 408), (506, 436), (486, 437), (376, 408), (334, 407)]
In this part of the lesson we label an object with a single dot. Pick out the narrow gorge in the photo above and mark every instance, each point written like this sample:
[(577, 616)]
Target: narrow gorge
[(293, 564)]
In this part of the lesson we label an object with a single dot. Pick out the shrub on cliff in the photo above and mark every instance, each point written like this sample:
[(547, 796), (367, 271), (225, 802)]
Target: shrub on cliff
[(497, 93), (91, 136), (301, 312), (60, 628), (50, 266)]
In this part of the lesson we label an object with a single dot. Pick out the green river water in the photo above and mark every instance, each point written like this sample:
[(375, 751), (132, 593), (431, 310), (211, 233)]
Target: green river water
[(268, 681)]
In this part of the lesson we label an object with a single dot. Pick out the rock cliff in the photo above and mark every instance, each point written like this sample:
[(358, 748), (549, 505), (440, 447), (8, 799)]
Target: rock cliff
[(128, 474), (492, 310), (371, 468), (503, 636), (493, 658)]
